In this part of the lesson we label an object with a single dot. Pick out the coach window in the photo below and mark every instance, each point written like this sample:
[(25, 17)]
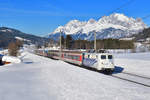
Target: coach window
[(77, 57), (103, 56)]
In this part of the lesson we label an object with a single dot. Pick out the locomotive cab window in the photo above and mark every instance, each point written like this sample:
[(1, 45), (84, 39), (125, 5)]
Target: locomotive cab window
[(110, 57), (103, 56)]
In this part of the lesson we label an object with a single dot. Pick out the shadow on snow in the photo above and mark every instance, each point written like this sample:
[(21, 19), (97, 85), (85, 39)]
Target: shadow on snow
[(118, 69)]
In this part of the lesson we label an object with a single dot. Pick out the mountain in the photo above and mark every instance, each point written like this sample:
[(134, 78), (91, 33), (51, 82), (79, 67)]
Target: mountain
[(113, 26), (142, 36), (8, 35)]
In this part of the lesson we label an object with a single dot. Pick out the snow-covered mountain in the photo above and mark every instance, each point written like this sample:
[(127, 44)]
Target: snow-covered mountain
[(113, 26)]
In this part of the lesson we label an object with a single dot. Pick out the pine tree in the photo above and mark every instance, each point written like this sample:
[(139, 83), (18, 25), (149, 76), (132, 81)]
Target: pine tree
[(69, 42)]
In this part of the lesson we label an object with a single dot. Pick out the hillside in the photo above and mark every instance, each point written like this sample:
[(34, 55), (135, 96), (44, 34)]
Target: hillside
[(9, 34)]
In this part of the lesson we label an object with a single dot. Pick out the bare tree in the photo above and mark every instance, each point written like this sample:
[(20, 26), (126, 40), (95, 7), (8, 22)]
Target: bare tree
[(13, 49)]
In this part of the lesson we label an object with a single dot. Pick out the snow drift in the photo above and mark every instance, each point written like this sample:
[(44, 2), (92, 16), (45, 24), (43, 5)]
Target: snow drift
[(11, 59)]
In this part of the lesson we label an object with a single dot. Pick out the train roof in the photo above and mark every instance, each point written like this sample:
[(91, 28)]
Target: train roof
[(99, 53), (67, 51), (91, 51)]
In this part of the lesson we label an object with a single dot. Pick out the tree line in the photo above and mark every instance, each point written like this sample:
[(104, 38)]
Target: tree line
[(69, 43)]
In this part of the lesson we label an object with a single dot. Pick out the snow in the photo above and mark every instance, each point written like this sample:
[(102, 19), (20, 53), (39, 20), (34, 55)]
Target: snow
[(138, 63), (4, 52), (6, 30), (117, 21), (127, 39), (3, 30), (121, 17), (37, 78), (11, 59), (133, 78), (21, 39), (148, 39)]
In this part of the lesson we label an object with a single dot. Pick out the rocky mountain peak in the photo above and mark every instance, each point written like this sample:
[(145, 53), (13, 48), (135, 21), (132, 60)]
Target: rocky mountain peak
[(91, 21), (114, 26)]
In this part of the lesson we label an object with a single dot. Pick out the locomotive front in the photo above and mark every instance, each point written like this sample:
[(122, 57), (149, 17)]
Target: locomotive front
[(106, 62), (100, 61)]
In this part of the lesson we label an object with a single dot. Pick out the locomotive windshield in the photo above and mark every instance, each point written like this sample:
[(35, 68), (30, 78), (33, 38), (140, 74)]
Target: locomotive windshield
[(103, 56), (109, 56)]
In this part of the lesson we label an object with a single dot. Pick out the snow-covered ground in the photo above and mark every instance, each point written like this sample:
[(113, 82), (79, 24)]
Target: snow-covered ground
[(39, 78), (138, 63), (4, 52)]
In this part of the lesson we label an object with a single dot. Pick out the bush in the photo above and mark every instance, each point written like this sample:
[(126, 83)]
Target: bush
[(13, 49)]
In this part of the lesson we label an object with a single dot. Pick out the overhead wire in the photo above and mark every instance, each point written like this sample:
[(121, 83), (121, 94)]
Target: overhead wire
[(145, 17), (126, 4), (122, 6)]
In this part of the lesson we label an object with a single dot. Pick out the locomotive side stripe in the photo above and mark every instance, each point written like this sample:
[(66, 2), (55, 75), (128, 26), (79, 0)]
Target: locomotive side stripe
[(89, 62)]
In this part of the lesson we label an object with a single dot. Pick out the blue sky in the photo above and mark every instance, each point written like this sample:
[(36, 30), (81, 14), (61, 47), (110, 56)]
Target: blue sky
[(40, 17)]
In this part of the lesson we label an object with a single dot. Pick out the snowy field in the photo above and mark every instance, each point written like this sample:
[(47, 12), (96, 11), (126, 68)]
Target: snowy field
[(39, 78), (138, 63)]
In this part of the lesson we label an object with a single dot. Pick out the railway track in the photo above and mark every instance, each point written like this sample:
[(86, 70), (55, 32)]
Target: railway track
[(136, 75), (134, 78)]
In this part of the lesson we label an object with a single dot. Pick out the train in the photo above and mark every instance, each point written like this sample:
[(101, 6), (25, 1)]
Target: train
[(103, 62)]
